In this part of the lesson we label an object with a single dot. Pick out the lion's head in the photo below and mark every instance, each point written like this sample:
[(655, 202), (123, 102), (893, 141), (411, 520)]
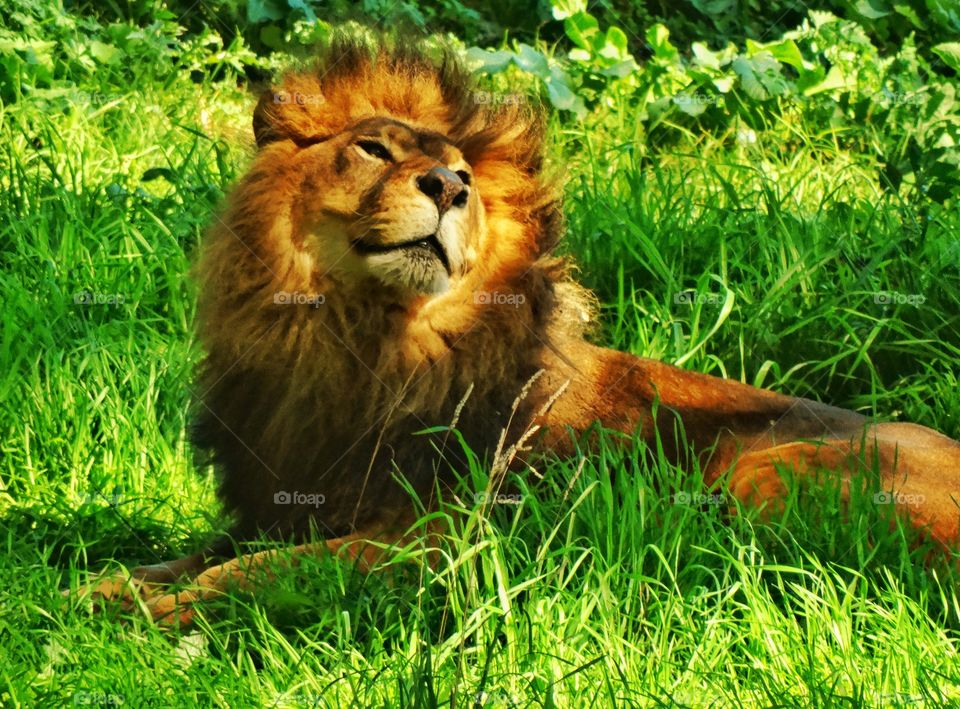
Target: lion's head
[(390, 164)]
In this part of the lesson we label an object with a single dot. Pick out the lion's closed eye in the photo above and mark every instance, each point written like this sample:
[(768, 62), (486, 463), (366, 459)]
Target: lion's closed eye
[(375, 149)]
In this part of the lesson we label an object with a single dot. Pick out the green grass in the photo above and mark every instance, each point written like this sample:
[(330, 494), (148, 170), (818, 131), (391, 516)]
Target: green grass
[(760, 262)]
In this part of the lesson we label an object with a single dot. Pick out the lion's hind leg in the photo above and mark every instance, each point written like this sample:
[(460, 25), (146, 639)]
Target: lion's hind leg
[(911, 469), (758, 477)]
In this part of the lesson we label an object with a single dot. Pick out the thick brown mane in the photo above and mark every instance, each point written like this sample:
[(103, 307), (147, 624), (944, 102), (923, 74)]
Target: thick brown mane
[(325, 399)]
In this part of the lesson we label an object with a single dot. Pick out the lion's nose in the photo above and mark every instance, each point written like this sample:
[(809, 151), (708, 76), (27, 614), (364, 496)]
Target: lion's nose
[(444, 187)]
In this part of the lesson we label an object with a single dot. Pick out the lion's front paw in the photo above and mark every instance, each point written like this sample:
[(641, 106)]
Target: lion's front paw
[(174, 610), (141, 587), (122, 588)]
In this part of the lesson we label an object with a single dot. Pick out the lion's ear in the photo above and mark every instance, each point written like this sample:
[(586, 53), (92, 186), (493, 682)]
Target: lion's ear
[(294, 110), (266, 121)]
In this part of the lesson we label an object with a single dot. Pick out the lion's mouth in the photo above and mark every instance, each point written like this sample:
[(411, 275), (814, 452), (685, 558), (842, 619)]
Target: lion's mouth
[(429, 244)]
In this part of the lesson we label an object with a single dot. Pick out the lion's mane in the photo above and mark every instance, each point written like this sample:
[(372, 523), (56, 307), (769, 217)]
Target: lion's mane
[(327, 400)]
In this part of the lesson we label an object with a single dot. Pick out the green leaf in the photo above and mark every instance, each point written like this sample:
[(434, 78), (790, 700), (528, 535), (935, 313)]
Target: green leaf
[(760, 76), (562, 9), (304, 8), (724, 84), (872, 9), (487, 62), (658, 37), (711, 8), (819, 18), (33, 51), (532, 61), (561, 93), (785, 51), (580, 28), (704, 57), (272, 36), (617, 42), (264, 10), (835, 79), (908, 12), (621, 69), (809, 79), (949, 53), (431, 430), (104, 53)]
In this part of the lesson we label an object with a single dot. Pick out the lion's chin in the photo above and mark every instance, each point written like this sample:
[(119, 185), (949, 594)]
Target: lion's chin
[(410, 272)]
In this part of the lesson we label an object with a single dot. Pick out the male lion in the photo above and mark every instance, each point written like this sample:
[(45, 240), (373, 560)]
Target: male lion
[(350, 299)]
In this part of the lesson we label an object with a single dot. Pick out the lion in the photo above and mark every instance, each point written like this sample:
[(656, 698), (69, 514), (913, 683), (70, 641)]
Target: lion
[(351, 298)]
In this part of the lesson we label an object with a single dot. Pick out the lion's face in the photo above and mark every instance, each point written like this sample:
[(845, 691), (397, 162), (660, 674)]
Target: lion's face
[(385, 200)]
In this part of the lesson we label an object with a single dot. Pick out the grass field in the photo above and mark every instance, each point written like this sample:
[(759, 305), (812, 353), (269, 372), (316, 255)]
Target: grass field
[(775, 258)]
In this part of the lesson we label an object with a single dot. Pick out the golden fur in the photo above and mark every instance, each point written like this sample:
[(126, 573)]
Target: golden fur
[(324, 397), (285, 378)]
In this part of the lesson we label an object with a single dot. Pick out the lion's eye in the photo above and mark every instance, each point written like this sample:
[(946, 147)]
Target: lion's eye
[(374, 149), (464, 176)]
